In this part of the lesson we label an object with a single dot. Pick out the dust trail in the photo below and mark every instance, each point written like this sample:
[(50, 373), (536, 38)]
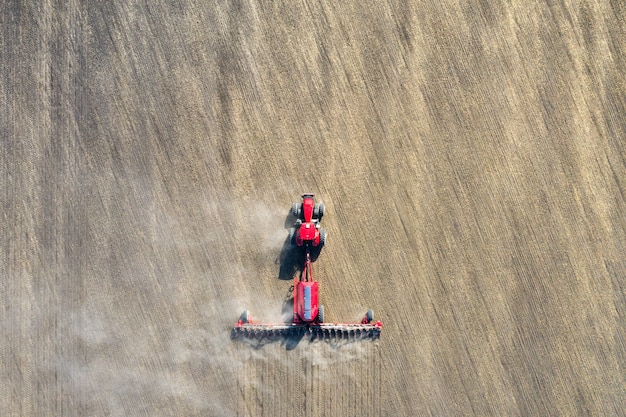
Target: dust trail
[(164, 366), (152, 331)]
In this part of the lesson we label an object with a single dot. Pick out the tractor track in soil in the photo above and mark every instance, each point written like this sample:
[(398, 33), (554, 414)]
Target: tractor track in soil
[(471, 156)]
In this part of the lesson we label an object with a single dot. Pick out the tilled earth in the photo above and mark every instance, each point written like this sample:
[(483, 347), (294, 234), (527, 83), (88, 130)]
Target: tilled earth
[(471, 156)]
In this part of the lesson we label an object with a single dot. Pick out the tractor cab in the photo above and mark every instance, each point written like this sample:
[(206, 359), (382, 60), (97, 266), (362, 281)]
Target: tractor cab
[(308, 207)]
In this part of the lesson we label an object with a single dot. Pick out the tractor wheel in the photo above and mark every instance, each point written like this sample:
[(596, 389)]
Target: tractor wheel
[(322, 237), (316, 211), (245, 317), (369, 316), (320, 211), (320, 314), (296, 209)]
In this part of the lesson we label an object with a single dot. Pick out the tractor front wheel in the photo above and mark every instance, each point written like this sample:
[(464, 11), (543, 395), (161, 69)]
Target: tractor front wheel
[(296, 209), (320, 211)]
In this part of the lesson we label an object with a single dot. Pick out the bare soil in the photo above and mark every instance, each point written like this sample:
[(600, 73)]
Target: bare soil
[(471, 156)]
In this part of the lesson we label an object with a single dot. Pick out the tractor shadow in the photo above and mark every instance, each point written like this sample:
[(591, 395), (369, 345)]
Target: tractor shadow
[(291, 257), (290, 260)]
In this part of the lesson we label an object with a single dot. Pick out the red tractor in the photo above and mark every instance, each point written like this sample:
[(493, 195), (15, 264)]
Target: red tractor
[(307, 230), (308, 317)]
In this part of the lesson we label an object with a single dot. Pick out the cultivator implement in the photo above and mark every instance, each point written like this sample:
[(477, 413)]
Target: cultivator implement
[(321, 331)]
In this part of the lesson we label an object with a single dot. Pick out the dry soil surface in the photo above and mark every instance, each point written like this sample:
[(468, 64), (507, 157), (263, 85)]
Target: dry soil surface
[(471, 156)]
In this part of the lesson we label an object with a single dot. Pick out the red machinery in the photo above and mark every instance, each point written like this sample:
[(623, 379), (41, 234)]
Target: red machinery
[(308, 314), (307, 231), (308, 317)]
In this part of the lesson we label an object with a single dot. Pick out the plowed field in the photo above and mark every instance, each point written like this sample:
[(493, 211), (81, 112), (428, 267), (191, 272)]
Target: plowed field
[(471, 156)]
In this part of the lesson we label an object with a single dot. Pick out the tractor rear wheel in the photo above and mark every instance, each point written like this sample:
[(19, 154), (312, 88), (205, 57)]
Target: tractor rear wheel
[(320, 211), (322, 237), (369, 316), (320, 314)]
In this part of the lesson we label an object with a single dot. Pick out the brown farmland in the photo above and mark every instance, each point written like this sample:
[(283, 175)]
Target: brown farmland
[(472, 158)]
